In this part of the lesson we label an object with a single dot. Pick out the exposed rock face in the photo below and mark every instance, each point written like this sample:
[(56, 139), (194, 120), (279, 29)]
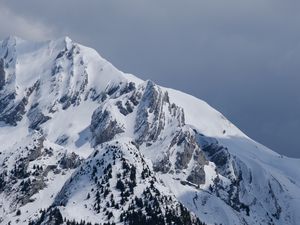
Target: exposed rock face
[(77, 79), (151, 116), (154, 114), (104, 127), (2, 74), (151, 103), (115, 90), (6, 101), (12, 116), (187, 141), (219, 155), (12, 110), (36, 117), (197, 175), (163, 165), (70, 161), (125, 109)]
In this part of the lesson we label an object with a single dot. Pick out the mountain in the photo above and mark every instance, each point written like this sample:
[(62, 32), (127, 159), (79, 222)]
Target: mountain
[(84, 143)]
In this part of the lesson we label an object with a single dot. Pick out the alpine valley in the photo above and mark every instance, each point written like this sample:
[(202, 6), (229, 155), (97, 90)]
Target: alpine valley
[(83, 143)]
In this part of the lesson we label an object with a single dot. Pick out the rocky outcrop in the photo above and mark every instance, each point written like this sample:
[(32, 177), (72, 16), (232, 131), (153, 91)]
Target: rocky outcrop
[(163, 165), (153, 109), (218, 154), (104, 126), (125, 109), (197, 175), (2, 74), (77, 79), (151, 103), (70, 161), (36, 117), (12, 111)]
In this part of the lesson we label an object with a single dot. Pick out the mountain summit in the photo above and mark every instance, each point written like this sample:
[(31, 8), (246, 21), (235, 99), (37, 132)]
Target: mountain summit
[(84, 143)]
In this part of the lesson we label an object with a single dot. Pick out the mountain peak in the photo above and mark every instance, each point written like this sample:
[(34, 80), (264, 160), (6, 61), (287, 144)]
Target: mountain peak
[(64, 42), (77, 134), (11, 40), (67, 39)]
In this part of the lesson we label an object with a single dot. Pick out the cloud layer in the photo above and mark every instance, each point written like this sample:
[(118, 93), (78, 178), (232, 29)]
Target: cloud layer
[(13, 24)]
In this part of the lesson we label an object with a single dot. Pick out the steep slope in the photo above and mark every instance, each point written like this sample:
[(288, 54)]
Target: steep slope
[(41, 80), (120, 187), (79, 135)]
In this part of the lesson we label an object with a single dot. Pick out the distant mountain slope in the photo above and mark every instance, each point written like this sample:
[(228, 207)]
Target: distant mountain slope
[(84, 143)]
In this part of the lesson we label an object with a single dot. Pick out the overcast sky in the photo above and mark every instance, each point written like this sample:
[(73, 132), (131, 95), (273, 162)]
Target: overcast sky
[(241, 56)]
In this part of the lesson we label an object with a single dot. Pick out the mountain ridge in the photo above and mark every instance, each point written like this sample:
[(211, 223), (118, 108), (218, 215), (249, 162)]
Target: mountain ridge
[(82, 135)]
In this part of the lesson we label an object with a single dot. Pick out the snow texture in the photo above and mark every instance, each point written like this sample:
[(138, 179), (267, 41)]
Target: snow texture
[(78, 135)]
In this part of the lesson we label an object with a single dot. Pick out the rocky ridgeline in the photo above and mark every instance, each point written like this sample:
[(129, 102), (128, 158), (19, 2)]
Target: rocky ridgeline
[(140, 145), (153, 114)]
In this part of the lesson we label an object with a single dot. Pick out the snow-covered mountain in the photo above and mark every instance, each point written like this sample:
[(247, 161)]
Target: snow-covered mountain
[(84, 143)]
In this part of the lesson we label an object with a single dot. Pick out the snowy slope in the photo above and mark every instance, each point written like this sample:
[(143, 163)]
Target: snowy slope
[(79, 135)]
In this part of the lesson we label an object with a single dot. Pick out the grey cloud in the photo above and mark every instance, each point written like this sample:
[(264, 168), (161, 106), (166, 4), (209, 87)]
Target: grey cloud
[(13, 24), (240, 56)]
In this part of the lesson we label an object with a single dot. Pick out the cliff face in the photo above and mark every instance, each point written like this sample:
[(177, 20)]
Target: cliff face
[(78, 135)]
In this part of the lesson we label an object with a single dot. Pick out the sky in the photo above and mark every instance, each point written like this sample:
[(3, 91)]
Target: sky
[(241, 56)]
